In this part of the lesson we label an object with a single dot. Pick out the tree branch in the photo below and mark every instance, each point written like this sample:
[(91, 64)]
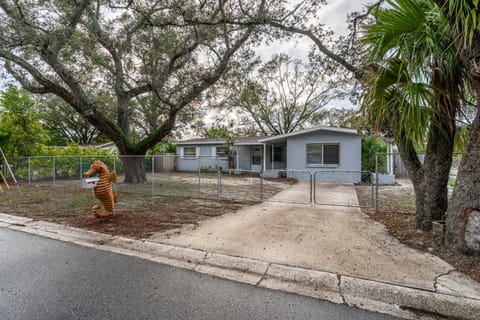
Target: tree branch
[(319, 44)]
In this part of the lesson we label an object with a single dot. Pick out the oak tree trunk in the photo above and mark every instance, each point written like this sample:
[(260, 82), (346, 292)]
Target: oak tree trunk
[(134, 169), (466, 196), (463, 210)]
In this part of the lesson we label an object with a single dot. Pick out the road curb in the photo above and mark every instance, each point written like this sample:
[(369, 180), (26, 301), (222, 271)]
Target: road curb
[(394, 299)]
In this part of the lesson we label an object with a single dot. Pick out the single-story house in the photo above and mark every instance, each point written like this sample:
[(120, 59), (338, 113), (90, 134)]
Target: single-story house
[(329, 153)]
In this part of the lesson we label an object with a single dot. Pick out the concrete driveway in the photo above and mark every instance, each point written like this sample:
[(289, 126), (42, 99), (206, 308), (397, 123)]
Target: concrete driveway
[(341, 240)]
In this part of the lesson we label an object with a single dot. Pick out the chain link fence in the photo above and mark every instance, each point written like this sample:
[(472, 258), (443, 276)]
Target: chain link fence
[(332, 188), (207, 177), (394, 190)]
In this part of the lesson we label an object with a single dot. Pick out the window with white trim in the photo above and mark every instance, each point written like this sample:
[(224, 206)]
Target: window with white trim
[(323, 154), (221, 152), (189, 152)]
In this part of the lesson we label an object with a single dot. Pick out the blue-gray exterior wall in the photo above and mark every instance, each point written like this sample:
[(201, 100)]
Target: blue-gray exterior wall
[(244, 157), (205, 158), (268, 158), (349, 169)]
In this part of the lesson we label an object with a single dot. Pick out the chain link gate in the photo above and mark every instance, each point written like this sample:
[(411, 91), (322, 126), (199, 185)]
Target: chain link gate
[(334, 188)]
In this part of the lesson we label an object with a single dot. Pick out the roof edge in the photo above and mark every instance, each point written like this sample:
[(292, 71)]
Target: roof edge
[(320, 128)]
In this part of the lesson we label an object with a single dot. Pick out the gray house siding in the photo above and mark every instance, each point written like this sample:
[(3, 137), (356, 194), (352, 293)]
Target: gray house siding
[(334, 154), (350, 155), (268, 158), (186, 163), (244, 157), (205, 158)]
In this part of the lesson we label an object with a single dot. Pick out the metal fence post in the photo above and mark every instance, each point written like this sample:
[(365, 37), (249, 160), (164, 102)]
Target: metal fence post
[(261, 185), (219, 182), (54, 169), (29, 173), (199, 182), (81, 168), (376, 182), (312, 189), (153, 174)]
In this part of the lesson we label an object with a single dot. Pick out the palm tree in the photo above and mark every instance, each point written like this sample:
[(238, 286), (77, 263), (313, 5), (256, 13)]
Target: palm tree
[(414, 91), (463, 18)]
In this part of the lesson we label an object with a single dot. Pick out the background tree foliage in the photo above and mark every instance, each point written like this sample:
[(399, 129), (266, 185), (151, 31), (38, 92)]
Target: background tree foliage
[(370, 147), (21, 132), (343, 118), (280, 96)]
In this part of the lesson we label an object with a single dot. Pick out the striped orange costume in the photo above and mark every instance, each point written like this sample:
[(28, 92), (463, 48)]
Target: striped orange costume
[(103, 190)]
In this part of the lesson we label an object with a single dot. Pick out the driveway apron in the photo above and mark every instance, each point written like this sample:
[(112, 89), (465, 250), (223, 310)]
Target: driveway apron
[(337, 239)]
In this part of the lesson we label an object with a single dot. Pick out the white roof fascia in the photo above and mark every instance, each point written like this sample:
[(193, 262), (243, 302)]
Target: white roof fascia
[(249, 144), (196, 143), (217, 143), (296, 133)]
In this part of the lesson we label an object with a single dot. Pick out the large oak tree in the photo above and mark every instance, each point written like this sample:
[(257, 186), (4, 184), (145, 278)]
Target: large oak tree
[(85, 50)]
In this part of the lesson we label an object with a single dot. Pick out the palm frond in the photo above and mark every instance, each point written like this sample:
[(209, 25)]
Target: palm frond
[(407, 44)]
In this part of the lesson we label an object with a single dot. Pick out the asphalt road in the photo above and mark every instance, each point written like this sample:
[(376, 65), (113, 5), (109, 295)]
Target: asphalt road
[(47, 279)]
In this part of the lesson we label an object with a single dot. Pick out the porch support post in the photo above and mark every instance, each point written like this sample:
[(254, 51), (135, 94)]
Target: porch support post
[(389, 159), (237, 158), (273, 157), (264, 156)]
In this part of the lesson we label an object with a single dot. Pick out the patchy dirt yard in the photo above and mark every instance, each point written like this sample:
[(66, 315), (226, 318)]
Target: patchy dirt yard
[(136, 215), (139, 214), (396, 210)]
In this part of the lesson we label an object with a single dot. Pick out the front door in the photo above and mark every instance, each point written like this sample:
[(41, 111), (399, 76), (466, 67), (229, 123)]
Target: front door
[(256, 158)]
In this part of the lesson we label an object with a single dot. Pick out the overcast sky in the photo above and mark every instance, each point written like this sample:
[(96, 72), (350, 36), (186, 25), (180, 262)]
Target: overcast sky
[(333, 16)]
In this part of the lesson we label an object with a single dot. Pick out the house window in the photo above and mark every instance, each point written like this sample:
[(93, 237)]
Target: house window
[(331, 154), (189, 152), (256, 156), (221, 152), (323, 154), (279, 154)]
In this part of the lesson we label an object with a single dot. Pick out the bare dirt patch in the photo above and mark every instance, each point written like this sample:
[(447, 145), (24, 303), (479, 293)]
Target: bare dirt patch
[(137, 215), (396, 210)]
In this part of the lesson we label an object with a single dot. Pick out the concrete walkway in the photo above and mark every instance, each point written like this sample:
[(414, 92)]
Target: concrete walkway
[(333, 253)]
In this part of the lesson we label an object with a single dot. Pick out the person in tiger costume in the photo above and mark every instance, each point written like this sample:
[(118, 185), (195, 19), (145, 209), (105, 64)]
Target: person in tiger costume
[(103, 190)]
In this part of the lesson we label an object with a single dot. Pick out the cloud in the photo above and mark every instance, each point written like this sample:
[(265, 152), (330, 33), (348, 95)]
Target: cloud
[(333, 16)]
